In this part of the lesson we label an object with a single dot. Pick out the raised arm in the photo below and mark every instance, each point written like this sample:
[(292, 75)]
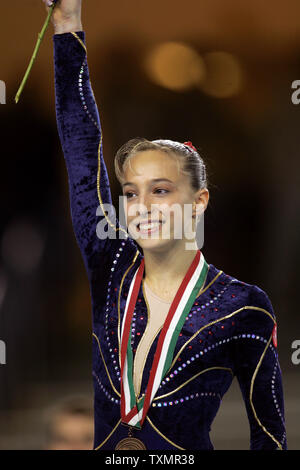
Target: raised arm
[(258, 372), (80, 135)]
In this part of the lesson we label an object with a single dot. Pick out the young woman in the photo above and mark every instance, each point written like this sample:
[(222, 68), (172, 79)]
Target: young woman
[(170, 331)]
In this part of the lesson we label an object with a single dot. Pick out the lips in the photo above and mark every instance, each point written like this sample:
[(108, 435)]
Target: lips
[(147, 222)]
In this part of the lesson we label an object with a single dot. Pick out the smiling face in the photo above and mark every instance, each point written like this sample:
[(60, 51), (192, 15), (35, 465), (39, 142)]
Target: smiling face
[(155, 189)]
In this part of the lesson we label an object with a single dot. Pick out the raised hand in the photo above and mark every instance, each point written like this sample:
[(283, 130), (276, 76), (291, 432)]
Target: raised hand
[(66, 15)]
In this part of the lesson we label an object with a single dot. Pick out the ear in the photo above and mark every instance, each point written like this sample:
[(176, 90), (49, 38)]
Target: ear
[(200, 202)]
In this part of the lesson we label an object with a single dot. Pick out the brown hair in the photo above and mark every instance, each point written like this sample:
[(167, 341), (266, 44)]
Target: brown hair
[(192, 163)]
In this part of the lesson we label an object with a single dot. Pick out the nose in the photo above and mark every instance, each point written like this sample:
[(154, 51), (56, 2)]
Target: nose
[(143, 212), (141, 208), (143, 205)]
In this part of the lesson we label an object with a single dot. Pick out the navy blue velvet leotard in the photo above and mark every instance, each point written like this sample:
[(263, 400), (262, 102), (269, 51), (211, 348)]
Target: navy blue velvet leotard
[(227, 334)]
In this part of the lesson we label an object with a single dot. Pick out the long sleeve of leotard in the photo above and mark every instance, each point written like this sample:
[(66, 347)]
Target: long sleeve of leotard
[(80, 134), (258, 372)]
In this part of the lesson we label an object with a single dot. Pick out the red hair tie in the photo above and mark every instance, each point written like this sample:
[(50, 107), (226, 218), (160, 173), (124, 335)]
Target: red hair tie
[(189, 143)]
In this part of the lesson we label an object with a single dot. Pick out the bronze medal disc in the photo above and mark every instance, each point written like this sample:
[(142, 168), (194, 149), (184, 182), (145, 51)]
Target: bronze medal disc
[(130, 443)]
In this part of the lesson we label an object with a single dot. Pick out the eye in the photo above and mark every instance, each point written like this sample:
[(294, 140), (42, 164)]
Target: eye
[(160, 189), (128, 195)]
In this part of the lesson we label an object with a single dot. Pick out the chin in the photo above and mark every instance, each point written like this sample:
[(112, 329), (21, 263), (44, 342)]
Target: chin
[(159, 244), (151, 243)]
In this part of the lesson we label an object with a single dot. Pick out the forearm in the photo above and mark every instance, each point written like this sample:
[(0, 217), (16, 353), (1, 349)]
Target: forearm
[(258, 372), (76, 110), (261, 386)]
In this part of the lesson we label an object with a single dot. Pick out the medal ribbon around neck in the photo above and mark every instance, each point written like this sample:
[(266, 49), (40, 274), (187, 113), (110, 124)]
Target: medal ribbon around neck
[(133, 413)]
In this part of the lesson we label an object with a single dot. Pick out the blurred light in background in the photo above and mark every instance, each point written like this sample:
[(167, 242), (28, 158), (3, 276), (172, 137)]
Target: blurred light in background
[(175, 65), (70, 423), (179, 67), (22, 246), (223, 77)]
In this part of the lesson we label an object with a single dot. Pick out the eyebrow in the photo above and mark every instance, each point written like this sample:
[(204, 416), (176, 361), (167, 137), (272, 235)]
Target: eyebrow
[(155, 180)]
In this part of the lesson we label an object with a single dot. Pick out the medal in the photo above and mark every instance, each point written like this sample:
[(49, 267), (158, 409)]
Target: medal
[(130, 442), (134, 413)]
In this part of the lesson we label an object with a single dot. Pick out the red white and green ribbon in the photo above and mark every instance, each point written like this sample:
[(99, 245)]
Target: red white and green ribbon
[(133, 413)]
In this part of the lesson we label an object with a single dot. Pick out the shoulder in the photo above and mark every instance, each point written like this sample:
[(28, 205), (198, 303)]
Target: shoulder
[(250, 301)]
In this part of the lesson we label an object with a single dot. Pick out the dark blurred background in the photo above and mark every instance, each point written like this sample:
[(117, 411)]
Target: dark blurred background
[(214, 72)]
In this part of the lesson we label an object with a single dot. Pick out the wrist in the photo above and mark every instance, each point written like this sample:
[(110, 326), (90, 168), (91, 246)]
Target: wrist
[(67, 26)]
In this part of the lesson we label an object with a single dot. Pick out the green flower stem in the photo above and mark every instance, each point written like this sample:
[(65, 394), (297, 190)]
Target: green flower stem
[(38, 43)]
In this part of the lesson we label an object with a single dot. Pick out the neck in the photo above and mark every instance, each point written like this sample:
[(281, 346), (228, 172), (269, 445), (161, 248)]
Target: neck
[(165, 270)]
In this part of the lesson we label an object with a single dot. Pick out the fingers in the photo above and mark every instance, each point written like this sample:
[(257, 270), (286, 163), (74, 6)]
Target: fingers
[(48, 3)]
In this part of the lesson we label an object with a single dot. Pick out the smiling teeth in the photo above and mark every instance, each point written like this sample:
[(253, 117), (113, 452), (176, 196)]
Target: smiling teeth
[(148, 226)]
